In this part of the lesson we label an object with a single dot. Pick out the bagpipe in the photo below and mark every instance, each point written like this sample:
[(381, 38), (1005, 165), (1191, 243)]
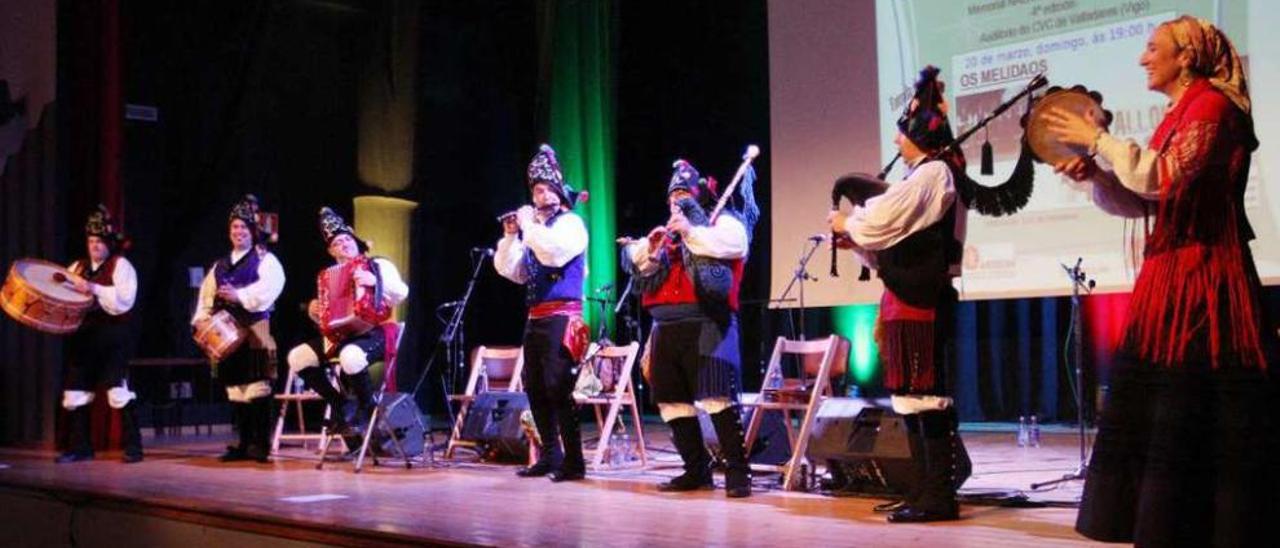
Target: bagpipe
[(1037, 144), (668, 238)]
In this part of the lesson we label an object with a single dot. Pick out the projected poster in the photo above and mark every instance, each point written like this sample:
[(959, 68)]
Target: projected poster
[(988, 50)]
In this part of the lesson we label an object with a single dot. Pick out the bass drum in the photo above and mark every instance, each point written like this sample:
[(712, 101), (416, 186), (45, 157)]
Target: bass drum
[(37, 294)]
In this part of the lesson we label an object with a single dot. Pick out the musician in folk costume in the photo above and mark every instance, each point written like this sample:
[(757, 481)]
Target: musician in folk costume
[(375, 287), (98, 351), (1186, 441), (914, 235), (689, 273), (543, 246), (245, 283)]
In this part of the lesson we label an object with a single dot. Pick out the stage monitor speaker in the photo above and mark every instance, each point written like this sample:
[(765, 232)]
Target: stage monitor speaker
[(402, 418), (494, 420), (865, 446), (772, 445)]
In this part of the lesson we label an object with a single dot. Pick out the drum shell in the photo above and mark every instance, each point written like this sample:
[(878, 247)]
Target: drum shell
[(25, 303), (220, 336)]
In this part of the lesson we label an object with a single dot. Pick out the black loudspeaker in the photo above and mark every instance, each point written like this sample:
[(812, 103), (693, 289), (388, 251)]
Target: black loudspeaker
[(772, 446), (865, 446), (494, 420), (403, 420)]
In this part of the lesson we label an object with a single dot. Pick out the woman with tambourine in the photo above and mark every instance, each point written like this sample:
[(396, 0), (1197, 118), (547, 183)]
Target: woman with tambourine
[(1188, 436)]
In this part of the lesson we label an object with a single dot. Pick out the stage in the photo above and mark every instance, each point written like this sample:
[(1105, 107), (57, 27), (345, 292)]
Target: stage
[(180, 495)]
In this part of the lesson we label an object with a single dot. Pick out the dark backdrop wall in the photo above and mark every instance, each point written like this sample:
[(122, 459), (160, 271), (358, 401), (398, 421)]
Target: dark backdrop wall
[(252, 97), (692, 83)]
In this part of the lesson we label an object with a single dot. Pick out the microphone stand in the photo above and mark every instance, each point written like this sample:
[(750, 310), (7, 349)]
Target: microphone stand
[(1079, 282), (629, 318), (798, 278), (452, 339)]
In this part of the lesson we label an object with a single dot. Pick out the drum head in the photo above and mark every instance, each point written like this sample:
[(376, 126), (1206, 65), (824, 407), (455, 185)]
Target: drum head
[(1043, 143), (40, 275)]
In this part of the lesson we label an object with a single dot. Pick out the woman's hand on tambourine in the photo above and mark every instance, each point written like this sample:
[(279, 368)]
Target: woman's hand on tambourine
[(1080, 168), (1071, 128)]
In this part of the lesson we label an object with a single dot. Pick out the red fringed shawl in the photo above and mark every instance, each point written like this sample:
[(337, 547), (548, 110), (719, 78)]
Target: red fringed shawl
[(1196, 298)]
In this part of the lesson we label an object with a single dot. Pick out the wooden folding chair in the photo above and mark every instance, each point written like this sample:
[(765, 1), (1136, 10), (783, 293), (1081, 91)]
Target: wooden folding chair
[(493, 369), (297, 395), (388, 369), (821, 361), (612, 365)]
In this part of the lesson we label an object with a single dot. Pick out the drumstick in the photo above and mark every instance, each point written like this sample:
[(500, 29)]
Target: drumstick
[(64, 281)]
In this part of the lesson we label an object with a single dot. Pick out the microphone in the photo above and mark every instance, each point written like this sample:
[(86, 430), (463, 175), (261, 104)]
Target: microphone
[(486, 251), (819, 237)]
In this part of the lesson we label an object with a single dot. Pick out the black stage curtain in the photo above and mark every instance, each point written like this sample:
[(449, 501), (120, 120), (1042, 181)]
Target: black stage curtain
[(253, 97), (30, 361)]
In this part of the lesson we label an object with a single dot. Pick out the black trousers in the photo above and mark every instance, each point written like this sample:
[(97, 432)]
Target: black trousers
[(97, 357), (548, 379)]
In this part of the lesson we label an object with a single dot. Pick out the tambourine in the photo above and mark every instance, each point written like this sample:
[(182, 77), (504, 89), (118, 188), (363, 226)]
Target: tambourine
[(1045, 146)]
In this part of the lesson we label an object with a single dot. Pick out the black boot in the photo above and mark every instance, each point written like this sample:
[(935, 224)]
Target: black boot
[(686, 434), (257, 441), (317, 380), (239, 421), (361, 385), (737, 471), (935, 498), (915, 442), (550, 456), (78, 446), (131, 433), (573, 467)]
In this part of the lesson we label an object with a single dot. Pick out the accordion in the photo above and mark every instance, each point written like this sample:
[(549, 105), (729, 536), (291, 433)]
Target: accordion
[(347, 309)]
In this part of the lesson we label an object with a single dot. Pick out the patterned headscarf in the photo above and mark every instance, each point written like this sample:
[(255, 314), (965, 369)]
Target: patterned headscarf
[(1213, 57)]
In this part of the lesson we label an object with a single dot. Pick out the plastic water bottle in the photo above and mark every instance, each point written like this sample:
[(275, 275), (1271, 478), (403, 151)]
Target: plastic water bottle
[(1035, 431), (1024, 436), (615, 450), (628, 449)]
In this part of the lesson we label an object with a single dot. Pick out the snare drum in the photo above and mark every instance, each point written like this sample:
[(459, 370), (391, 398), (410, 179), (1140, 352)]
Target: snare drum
[(37, 294), (220, 336)]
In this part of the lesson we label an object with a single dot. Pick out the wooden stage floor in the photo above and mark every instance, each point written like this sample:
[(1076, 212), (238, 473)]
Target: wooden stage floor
[(485, 504)]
